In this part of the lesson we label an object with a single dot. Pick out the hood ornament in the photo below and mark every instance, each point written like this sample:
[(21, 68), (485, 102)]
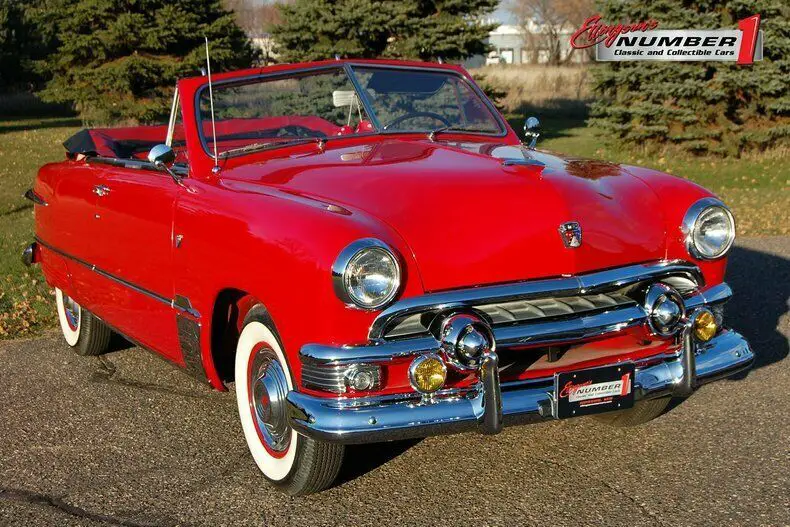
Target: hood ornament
[(571, 233)]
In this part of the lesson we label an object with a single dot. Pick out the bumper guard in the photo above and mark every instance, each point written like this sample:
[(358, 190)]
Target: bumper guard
[(489, 406)]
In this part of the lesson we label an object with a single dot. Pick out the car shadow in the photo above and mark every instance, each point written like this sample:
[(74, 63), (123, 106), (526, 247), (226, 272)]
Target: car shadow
[(760, 283), (363, 459), (761, 291)]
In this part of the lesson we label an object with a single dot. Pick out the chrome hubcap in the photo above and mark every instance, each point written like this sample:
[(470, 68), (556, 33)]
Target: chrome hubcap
[(72, 311), (268, 389)]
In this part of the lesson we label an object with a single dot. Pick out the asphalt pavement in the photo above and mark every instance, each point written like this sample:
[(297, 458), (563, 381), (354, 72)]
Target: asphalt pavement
[(128, 439)]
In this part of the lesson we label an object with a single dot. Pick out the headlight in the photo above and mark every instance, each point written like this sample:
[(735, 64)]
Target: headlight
[(366, 274), (709, 229)]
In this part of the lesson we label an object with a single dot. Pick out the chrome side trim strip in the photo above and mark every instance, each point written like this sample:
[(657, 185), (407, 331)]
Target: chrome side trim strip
[(364, 420), (590, 283), (136, 288), (35, 198)]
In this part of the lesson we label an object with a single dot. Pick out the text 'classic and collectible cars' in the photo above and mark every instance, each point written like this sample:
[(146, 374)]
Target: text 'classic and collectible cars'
[(368, 252)]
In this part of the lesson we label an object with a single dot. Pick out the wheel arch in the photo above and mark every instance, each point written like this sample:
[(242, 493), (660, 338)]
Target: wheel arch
[(229, 310)]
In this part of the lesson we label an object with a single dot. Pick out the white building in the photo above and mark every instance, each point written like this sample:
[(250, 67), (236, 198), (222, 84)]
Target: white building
[(512, 44)]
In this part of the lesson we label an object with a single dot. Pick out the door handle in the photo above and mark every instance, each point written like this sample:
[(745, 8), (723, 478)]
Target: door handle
[(101, 190)]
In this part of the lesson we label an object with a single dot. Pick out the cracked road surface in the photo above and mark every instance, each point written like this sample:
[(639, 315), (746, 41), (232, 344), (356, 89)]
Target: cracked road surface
[(127, 439)]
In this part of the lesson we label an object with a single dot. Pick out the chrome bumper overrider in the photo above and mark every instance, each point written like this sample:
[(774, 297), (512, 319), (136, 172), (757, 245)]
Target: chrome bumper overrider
[(372, 419)]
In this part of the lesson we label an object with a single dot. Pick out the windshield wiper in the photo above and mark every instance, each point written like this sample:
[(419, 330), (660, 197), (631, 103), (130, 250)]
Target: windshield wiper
[(258, 147), (432, 134)]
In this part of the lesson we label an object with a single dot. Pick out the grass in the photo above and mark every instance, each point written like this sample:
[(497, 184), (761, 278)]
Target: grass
[(758, 189), (26, 302)]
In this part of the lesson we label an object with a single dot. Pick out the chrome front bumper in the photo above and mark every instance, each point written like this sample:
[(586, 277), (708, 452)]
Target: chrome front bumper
[(374, 419)]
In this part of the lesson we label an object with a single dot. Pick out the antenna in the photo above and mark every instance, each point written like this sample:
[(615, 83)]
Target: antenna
[(211, 104)]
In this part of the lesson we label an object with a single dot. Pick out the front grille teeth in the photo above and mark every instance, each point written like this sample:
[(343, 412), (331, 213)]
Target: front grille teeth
[(521, 311)]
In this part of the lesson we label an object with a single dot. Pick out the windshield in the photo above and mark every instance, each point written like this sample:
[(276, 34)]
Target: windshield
[(262, 113), (421, 101)]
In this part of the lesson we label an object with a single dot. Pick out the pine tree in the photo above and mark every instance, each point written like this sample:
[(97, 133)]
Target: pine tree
[(412, 29), (120, 59), (19, 46), (705, 107)]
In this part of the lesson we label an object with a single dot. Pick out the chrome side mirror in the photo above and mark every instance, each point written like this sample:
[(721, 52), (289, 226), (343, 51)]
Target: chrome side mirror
[(531, 126), (163, 157)]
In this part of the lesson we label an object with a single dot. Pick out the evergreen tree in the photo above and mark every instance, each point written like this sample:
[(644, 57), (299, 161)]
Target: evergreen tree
[(20, 45), (411, 29), (706, 107), (120, 59)]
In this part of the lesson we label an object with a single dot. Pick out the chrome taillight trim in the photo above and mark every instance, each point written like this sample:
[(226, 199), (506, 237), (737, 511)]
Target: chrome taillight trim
[(584, 284)]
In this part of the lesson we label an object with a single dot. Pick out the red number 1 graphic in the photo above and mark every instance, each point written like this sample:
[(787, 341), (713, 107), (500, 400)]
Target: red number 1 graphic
[(749, 27)]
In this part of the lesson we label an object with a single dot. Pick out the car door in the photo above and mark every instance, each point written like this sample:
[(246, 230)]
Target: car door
[(135, 225)]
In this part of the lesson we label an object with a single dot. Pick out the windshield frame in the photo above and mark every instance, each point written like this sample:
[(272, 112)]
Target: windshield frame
[(348, 68)]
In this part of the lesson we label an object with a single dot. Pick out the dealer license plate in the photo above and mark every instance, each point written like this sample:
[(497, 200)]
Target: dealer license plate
[(592, 391)]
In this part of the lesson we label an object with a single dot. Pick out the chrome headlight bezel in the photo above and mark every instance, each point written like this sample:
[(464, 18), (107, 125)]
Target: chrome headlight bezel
[(350, 254), (690, 227)]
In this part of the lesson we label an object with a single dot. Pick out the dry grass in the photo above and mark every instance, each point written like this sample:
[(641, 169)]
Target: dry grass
[(527, 84)]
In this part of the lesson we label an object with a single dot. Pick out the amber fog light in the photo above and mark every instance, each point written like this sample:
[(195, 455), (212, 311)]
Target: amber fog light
[(705, 326), (427, 373)]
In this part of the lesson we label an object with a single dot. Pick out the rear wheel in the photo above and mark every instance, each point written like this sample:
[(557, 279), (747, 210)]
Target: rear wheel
[(641, 413), (295, 464), (85, 333)]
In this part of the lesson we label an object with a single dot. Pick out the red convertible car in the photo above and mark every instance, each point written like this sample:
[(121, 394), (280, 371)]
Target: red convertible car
[(367, 251)]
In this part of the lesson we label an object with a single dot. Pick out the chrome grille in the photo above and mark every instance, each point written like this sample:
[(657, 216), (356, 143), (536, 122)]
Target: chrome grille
[(329, 378), (518, 311), (535, 302)]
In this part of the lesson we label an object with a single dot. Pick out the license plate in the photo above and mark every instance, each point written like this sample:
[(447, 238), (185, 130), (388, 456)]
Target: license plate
[(592, 391)]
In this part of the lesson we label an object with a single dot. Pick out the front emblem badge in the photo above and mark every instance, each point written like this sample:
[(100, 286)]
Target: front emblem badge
[(571, 233)]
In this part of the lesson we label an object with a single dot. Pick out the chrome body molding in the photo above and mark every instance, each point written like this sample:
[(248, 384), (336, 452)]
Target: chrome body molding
[(534, 333), (584, 284), (179, 304), (383, 418)]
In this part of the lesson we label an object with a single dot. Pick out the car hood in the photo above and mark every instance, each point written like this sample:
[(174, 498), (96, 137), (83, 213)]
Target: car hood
[(471, 218)]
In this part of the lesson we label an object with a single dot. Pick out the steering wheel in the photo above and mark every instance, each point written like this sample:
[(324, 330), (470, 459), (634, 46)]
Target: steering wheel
[(413, 115)]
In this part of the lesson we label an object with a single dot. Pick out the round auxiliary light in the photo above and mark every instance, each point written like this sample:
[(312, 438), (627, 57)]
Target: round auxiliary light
[(362, 378), (709, 229), (464, 339), (705, 325), (366, 274), (427, 373), (665, 309)]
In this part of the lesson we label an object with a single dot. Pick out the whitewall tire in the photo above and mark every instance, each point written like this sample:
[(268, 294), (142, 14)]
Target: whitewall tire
[(85, 333), (294, 463)]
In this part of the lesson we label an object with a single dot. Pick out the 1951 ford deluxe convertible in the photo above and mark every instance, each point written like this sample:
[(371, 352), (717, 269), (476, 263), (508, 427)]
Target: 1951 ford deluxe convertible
[(367, 251)]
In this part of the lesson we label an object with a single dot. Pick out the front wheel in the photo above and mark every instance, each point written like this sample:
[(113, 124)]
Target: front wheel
[(85, 333), (295, 464)]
